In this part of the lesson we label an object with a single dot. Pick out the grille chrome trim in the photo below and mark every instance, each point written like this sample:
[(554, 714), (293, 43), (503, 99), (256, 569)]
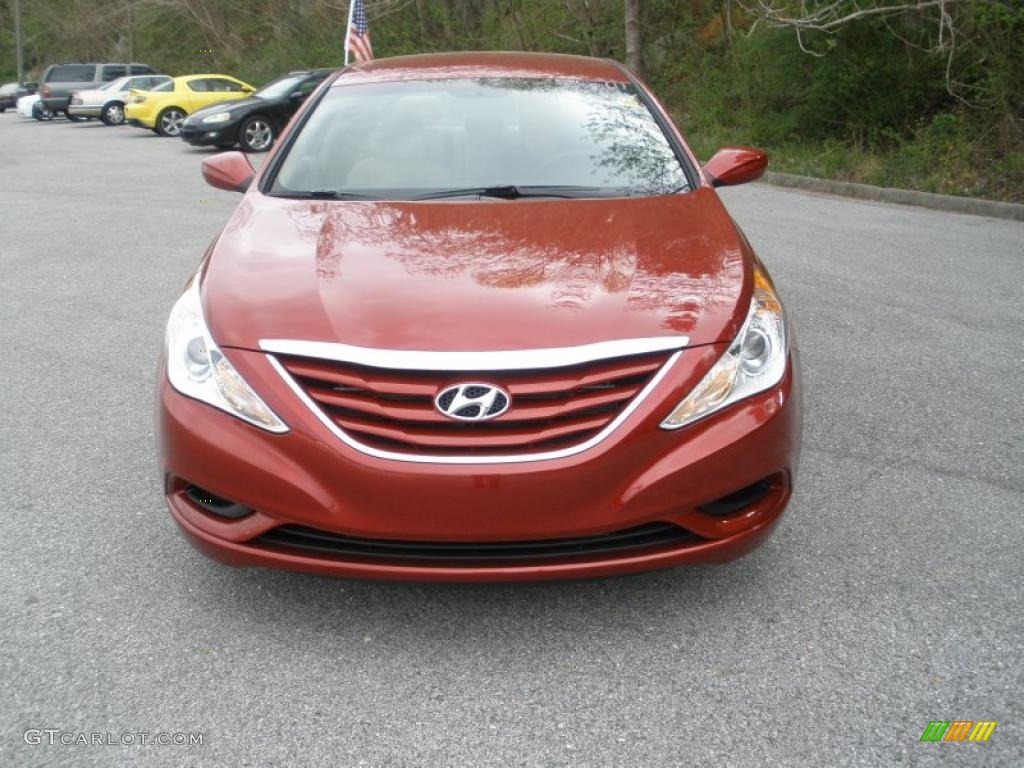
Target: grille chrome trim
[(514, 458), (503, 360)]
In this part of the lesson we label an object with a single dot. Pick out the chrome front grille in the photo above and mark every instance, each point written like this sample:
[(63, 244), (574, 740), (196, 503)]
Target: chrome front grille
[(553, 409)]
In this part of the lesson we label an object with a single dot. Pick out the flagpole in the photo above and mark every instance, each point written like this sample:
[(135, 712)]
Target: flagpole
[(348, 27)]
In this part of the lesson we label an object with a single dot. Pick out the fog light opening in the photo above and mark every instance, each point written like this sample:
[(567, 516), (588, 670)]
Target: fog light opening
[(739, 500), (214, 504)]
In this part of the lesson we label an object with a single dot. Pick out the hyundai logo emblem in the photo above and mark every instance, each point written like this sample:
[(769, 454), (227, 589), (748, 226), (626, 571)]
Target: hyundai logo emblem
[(472, 401)]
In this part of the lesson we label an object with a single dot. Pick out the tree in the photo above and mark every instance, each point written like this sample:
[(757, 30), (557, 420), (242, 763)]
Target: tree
[(634, 43), (808, 17)]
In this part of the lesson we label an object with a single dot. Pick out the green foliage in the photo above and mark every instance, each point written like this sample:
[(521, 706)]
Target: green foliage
[(874, 106)]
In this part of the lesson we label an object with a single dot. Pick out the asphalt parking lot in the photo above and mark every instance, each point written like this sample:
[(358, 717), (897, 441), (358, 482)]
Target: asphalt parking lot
[(891, 594)]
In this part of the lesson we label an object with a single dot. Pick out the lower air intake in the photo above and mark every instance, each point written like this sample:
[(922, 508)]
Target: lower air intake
[(298, 537)]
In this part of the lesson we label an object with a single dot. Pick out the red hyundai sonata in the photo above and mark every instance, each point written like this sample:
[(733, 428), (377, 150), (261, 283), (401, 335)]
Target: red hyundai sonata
[(479, 317)]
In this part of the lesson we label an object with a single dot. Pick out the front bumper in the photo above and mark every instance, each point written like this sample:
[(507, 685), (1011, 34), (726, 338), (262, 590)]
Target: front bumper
[(638, 476), (198, 136)]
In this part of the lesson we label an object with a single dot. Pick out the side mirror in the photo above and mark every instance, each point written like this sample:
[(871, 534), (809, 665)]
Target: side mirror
[(735, 165), (228, 170)]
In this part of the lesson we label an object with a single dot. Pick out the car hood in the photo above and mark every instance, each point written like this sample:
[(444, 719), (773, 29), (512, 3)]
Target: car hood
[(236, 106), (479, 275)]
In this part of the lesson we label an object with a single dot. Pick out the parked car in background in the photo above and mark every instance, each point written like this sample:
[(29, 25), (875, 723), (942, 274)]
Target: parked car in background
[(60, 80), (253, 123), (31, 106), (7, 95), (11, 92), (165, 108), (107, 102)]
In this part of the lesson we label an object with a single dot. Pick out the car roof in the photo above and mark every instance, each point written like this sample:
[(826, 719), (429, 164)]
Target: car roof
[(318, 71), (137, 75), (484, 64), (186, 78), (97, 64)]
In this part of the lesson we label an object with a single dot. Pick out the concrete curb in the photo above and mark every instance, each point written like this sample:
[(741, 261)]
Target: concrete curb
[(971, 205)]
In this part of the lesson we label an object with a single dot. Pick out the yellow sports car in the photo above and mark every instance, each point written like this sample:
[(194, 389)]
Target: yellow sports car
[(165, 107)]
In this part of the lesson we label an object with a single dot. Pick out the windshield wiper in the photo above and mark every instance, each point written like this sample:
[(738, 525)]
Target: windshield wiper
[(321, 194), (512, 192), (337, 194)]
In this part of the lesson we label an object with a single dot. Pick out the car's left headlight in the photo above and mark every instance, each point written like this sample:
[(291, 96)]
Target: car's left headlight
[(754, 362), (197, 368), (219, 117)]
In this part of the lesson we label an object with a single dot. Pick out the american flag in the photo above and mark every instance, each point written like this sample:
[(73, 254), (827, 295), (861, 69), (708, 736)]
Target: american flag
[(358, 40)]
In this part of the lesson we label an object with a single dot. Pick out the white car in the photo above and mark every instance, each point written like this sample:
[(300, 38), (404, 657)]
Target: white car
[(30, 107), (107, 102)]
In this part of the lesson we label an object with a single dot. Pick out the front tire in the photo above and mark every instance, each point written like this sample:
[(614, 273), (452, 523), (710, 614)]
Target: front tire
[(112, 113), (168, 122), (256, 134)]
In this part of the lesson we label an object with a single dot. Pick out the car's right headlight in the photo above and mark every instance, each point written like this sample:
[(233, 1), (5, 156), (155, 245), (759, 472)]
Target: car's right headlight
[(754, 362), (219, 117), (196, 367)]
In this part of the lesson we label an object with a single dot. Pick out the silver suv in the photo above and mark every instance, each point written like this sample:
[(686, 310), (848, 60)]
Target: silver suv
[(60, 80)]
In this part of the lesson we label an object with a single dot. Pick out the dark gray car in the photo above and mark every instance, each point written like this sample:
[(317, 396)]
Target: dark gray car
[(11, 92), (60, 80)]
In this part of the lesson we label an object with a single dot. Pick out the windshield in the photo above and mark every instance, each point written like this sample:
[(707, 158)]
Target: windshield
[(280, 88), (404, 140), (114, 85), (167, 85)]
